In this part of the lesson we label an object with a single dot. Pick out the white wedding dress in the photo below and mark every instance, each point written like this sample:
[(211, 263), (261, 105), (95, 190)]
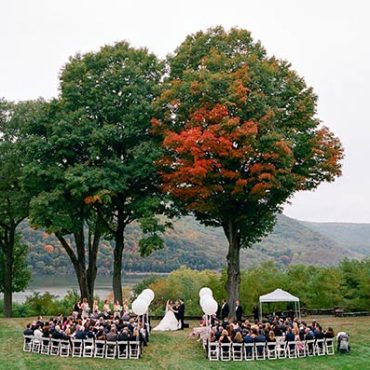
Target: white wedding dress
[(169, 321)]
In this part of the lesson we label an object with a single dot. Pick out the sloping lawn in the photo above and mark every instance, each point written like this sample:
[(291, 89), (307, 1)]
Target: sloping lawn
[(177, 351)]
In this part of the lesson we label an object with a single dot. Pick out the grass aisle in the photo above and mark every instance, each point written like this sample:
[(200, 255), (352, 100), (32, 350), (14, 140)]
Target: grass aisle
[(177, 351)]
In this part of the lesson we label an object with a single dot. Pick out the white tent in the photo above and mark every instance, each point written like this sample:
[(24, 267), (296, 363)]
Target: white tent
[(279, 295)]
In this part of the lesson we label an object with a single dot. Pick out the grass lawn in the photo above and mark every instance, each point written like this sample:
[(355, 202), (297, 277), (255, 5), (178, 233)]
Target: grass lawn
[(177, 351)]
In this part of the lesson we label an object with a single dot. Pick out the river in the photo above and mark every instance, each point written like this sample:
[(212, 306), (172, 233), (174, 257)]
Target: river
[(60, 285)]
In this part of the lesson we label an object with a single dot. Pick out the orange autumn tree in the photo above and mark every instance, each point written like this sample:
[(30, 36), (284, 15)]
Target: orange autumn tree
[(240, 136)]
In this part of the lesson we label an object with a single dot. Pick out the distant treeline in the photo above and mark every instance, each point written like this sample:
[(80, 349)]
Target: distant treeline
[(346, 286)]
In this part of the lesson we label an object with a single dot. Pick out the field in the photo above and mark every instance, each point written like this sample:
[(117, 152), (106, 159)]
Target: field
[(177, 351)]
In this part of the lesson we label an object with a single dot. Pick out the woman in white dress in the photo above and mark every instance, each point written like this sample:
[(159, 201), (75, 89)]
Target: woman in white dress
[(169, 321)]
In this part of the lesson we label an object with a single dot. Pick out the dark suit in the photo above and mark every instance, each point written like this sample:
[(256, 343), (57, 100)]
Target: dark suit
[(181, 314), (239, 313), (224, 311)]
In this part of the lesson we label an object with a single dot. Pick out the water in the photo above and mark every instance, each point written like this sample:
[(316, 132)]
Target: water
[(60, 285)]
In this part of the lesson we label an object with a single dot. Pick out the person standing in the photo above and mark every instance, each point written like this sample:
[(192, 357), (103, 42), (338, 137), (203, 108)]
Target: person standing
[(224, 309), (181, 314), (238, 310)]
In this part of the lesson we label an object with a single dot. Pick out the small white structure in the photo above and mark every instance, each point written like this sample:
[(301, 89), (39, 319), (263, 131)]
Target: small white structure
[(279, 295)]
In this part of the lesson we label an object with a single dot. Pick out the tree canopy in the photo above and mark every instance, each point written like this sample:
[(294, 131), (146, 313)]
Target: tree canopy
[(241, 136)]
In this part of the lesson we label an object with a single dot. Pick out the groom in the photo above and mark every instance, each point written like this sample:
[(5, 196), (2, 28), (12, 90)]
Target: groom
[(180, 313)]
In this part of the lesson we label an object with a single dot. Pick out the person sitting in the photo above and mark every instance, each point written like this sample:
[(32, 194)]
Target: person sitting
[(329, 333), (28, 330), (38, 332), (80, 332), (112, 335), (224, 338), (260, 338), (238, 338)]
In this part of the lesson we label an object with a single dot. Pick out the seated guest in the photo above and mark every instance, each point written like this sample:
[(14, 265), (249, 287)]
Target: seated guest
[(308, 334), (123, 335), (112, 335), (260, 338), (38, 332), (238, 338), (318, 333), (225, 338), (289, 337), (80, 332), (271, 336), (28, 330), (329, 333)]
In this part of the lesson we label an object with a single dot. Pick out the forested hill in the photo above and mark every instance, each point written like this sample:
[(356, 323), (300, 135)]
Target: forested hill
[(196, 246)]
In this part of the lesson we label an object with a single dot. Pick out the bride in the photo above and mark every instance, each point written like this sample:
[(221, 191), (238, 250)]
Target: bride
[(169, 321)]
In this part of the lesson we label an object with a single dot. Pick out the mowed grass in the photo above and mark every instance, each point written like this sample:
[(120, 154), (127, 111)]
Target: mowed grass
[(177, 351)]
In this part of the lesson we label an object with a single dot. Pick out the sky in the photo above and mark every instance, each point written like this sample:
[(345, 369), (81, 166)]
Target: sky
[(326, 42)]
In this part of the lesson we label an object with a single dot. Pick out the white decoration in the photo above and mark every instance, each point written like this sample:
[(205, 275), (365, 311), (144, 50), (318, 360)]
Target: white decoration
[(139, 306), (205, 291)]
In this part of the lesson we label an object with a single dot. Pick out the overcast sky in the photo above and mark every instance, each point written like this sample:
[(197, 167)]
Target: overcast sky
[(327, 42)]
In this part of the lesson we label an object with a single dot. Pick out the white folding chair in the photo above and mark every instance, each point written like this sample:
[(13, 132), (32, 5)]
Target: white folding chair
[(281, 349), (122, 350), (213, 351), (77, 345), (320, 347), (271, 350), (301, 348), (134, 349), (110, 349), (27, 343), (310, 347), (225, 351), (36, 345), (260, 353), (45, 346), (249, 351), (99, 351), (291, 349), (237, 351), (329, 346), (54, 347), (64, 348), (88, 347)]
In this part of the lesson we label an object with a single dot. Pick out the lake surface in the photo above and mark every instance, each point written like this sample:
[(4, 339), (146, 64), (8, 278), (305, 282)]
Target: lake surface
[(60, 285)]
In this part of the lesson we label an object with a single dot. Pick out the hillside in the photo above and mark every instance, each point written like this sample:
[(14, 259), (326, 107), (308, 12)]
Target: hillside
[(349, 235), (196, 246)]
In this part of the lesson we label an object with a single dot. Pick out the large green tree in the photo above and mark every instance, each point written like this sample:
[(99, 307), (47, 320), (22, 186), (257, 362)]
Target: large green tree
[(110, 93), (241, 136), (14, 202), (55, 150)]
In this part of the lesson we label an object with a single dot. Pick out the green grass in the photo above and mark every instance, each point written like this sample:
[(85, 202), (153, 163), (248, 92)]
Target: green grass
[(177, 351)]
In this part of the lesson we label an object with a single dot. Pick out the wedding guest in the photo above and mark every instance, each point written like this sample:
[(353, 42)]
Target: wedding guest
[(238, 311), (224, 309), (225, 338), (28, 330), (117, 308), (238, 338), (85, 309)]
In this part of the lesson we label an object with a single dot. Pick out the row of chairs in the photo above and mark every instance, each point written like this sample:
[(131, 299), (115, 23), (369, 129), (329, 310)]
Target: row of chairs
[(82, 348), (271, 350)]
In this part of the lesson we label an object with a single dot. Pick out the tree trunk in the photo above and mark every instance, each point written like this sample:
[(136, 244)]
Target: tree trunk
[(8, 280), (233, 266), (8, 249), (118, 252), (92, 269), (78, 262), (117, 269)]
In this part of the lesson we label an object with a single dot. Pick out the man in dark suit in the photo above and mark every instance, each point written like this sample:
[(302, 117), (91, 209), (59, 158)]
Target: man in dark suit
[(238, 311), (181, 313), (224, 310)]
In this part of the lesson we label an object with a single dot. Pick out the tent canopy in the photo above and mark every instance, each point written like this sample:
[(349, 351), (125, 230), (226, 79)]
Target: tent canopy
[(278, 295)]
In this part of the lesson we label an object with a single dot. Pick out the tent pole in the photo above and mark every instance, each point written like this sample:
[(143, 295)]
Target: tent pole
[(299, 311)]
